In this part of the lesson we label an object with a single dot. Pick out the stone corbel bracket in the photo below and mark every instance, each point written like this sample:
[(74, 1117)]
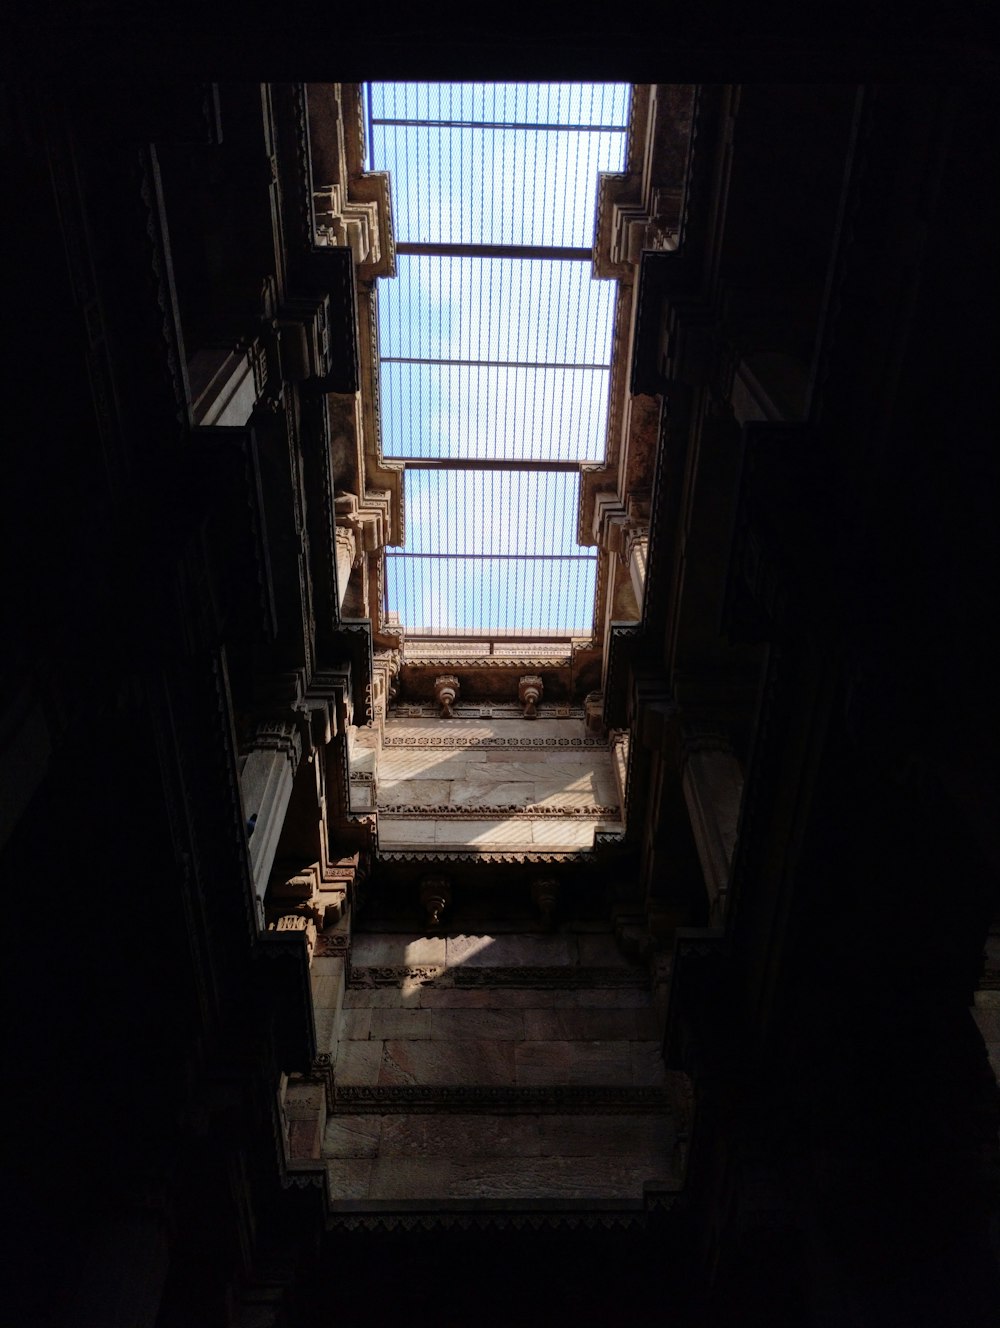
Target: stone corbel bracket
[(529, 693), (435, 896), (446, 689)]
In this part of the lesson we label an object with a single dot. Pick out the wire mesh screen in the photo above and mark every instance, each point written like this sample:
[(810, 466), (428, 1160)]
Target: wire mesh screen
[(495, 345), (490, 597), (466, 570), (495, 357), (496, 163)]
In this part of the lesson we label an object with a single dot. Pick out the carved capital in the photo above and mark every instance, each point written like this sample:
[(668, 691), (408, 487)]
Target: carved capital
[(279, 735)]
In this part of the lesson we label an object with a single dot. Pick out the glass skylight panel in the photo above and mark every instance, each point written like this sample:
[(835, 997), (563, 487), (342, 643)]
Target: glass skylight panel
[(468, 597), (465, 569), (476, 308), (495, 345), (497, 163), (492, 512), (495, 357)]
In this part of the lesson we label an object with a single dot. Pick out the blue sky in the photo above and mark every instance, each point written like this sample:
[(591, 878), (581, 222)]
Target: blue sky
[(486, 186)]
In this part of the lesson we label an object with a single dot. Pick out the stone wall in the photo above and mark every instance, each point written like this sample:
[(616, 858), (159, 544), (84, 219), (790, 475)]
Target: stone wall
[(510, 1066), (492, 783)]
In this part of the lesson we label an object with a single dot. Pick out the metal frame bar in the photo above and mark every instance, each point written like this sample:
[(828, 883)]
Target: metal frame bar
[(500, 557), (490, 364), (564, 253), (501, 124), (529, 465)]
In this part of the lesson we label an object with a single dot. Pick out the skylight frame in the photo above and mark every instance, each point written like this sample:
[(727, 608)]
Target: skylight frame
[(469, 450)]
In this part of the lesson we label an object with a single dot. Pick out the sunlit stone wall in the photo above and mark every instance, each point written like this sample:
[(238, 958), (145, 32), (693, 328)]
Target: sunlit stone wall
[(494, 783)]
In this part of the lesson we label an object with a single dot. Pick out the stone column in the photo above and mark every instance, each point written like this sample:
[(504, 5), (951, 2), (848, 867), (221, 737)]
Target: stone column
[(636, 554), (226, 384), (346, 553), (266, 786), (619, 741), (305, 1114), (713, 790)]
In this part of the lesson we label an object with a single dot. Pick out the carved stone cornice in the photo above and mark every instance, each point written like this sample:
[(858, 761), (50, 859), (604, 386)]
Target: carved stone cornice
[(482, 1215), (508, 811), (528, 977), (486, 709), (278, 735), (488, 857), (473, 743), (501, 662), (624, 641)]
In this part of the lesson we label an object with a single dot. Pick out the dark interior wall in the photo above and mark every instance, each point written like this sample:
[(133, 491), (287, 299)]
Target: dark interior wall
[(897, 883)]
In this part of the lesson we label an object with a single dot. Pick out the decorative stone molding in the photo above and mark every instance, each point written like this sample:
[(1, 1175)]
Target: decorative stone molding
[(492, 810), (374, 1099), (418, 653), (332, 945), (446, 689), (351, 207), (365, 519), (479, 1216), (486, 709), (386, 665), (347, 547), (529, 693), (528, 977), (488, 857), (297, 922), (460, 740), (278, 735), (435, 896), (347, 224)]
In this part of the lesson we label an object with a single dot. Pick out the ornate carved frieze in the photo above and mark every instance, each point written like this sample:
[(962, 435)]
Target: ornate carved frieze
[(379, 1099), (529, 977), (476, 811), (487, 857), (487, 709), (332, 944), (421, 653), (473, 742), (483, 1218)]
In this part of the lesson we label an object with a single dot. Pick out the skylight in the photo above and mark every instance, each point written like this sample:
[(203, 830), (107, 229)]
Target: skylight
[(495, 347)]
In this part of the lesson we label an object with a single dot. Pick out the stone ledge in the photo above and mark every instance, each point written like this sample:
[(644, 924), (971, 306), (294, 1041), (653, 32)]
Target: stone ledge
[(382, 1099)]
